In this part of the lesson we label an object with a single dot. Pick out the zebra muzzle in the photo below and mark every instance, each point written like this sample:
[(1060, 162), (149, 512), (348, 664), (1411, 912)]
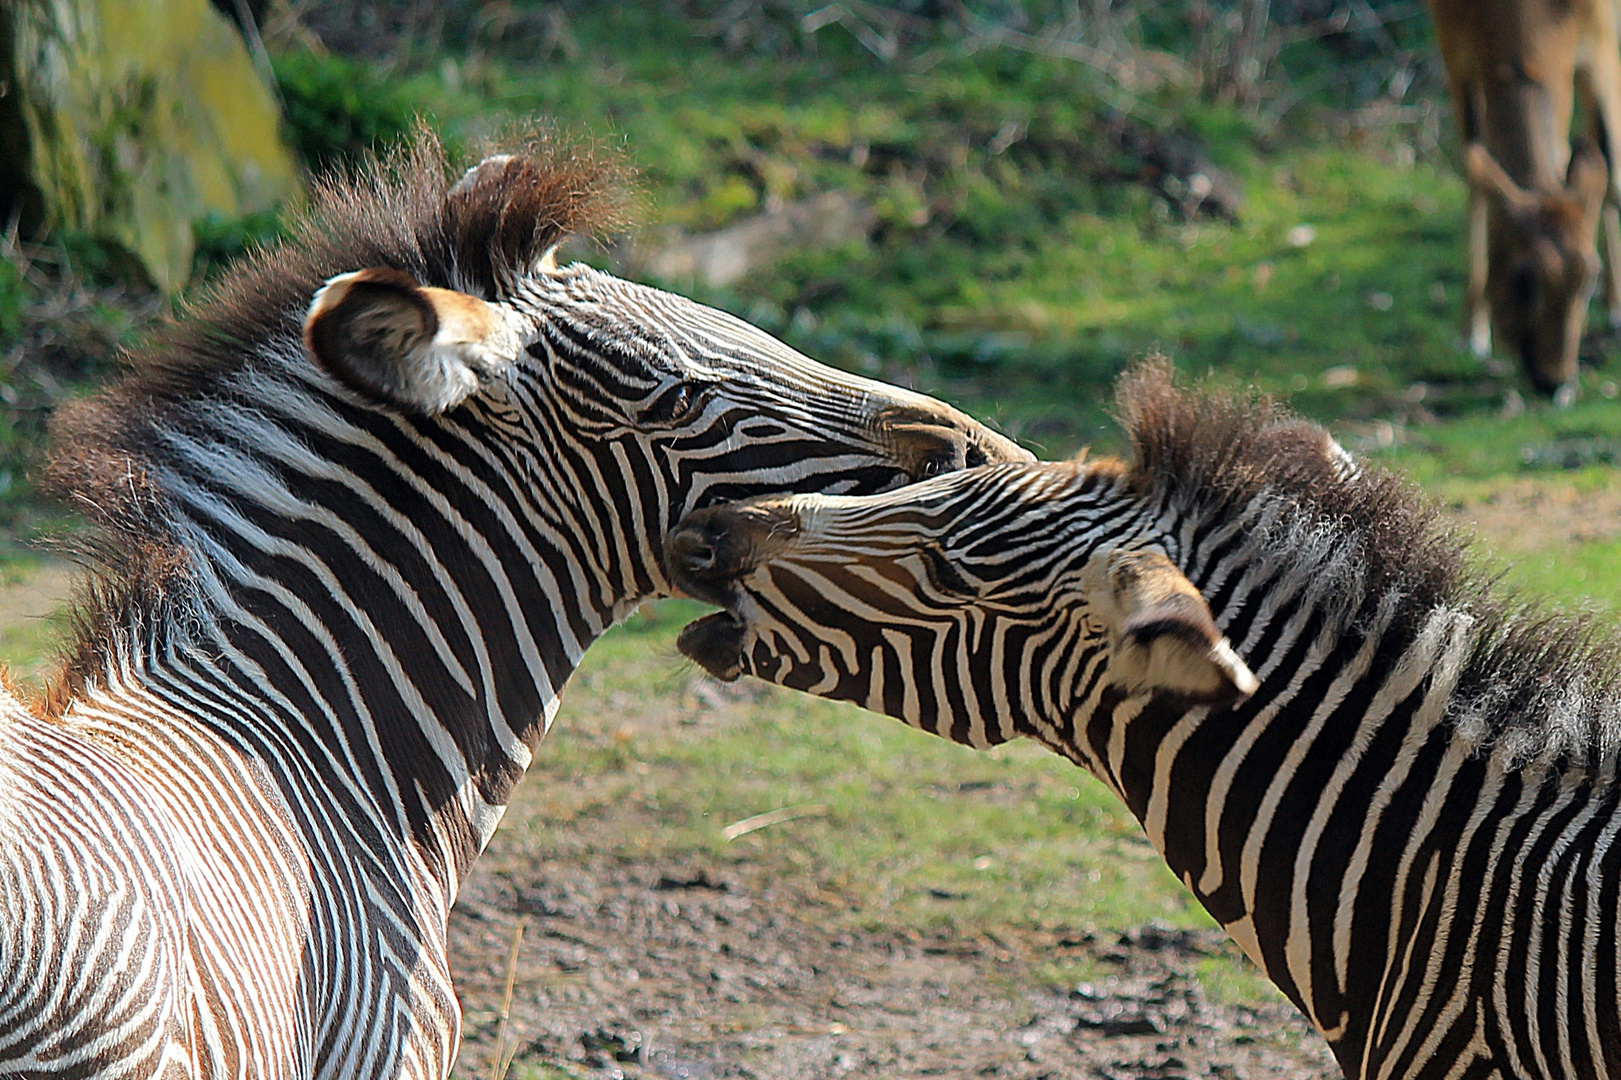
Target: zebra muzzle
[(713, 549)]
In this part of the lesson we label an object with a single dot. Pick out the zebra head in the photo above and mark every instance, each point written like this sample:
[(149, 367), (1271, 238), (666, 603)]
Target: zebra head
[(636, 401), (1010, 600)]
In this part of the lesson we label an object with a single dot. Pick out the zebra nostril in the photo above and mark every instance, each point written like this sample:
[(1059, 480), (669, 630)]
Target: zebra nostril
[(697, 560), (691, 553), (711, 550), (694, 551)]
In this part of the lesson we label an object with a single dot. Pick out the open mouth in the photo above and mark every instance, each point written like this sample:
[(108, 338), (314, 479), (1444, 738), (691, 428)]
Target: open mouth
[(712, 556), (708, 556)]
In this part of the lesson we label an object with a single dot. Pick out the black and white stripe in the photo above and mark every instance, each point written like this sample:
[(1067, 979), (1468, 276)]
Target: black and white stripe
[(1410, 825), (333, 635)]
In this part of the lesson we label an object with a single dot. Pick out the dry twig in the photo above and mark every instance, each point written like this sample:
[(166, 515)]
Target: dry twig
[(503, 1058), (772, 817)]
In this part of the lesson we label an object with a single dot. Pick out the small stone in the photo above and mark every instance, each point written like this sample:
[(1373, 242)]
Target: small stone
[(1340, 377)]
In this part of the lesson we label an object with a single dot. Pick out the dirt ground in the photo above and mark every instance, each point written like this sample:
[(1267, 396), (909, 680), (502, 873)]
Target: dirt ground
[(1517, 515), (674, 970), (754, 964)]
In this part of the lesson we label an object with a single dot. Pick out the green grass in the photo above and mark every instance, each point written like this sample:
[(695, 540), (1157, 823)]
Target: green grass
[(28, 645), (1018, 278), (1014, 277), (26, 649), (1586, 571)]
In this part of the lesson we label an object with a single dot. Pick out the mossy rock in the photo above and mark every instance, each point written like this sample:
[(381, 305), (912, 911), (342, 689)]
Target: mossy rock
[(131, 119)]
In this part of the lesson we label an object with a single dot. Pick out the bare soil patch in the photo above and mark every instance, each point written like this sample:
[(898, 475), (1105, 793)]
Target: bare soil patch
[(641, 961), (1521, 514)]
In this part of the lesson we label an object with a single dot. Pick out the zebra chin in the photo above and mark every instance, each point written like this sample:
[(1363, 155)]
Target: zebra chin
[(715, 643)]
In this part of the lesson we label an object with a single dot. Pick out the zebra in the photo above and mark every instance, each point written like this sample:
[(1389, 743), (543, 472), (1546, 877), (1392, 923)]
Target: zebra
[(1392, 783), (360, 513)]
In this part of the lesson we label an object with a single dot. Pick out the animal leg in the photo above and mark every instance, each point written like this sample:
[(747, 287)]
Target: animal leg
[(1477, 317), (1601, 86), (1612, 259)]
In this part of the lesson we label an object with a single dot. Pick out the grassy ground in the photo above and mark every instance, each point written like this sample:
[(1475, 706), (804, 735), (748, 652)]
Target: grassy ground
[(977, 826), (1031, 237)]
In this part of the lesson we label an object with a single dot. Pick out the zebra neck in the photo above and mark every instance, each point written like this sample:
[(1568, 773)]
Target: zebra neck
[(392, 600), (1280, 812)]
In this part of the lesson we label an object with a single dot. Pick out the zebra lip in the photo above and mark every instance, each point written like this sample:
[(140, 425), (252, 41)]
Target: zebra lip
[(715, 643)]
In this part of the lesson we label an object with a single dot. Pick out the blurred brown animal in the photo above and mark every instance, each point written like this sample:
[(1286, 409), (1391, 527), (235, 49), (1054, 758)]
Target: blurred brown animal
[(1517, 69)]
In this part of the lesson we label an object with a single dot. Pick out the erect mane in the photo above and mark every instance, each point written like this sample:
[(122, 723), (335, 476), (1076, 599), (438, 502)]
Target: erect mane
[(1541, 685), (406, 212)]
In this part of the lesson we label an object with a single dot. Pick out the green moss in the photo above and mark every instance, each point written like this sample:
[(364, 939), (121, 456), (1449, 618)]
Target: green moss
[(142, 117), (13, 294)]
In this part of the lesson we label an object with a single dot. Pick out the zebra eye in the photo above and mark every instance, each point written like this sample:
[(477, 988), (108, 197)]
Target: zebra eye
[(675, 404)]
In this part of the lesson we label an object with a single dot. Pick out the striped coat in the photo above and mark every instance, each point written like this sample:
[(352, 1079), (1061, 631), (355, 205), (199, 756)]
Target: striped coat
[(351, 550), (1397, 792)]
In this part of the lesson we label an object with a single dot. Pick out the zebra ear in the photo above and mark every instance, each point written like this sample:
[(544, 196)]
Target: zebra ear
[(419, 349), (1165, 638)]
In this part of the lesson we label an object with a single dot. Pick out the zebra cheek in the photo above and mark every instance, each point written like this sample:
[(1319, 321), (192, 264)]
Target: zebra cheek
[(763, 664)]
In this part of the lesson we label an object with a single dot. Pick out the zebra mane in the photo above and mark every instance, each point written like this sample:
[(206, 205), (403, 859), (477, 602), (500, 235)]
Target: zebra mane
[(1538, 685), (406, 212)]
